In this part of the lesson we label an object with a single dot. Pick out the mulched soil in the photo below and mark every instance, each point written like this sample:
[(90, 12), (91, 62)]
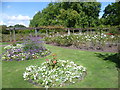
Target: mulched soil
[(105, 49)]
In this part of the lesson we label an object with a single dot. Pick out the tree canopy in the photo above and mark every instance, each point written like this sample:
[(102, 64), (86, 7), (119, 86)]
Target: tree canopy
[(111, 14), (68, 14)]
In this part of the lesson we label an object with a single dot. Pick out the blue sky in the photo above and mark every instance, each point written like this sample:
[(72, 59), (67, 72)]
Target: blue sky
[(22, 12)]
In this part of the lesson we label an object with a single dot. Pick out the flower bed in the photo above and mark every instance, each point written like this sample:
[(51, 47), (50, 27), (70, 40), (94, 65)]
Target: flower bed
[(83, 41), (31, 49), (18, 54), (54, 73)]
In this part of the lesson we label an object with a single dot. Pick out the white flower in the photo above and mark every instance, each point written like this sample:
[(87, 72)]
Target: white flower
[(72, 62), (19, 45), (63, 65), (84, 69), (34, 77), (8, 47), (112, 36), (46, 87), (22, 59), (25, 74), (3, 58), (70, 79), (28, 69), (57, 79), (73, 82)]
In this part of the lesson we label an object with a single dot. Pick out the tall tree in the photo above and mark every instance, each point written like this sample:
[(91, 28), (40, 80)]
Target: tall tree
[(112, 14)]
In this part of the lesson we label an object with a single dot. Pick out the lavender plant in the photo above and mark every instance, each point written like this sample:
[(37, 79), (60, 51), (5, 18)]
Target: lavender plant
[(33, 45)]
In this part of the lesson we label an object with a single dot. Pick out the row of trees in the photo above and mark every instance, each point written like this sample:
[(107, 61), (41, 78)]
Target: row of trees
[(77, 14), (4, 31)]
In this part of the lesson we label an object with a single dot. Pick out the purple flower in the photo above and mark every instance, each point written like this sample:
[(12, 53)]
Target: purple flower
[(11, 60)]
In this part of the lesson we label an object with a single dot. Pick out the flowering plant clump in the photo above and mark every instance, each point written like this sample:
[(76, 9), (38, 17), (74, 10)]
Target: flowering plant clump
[(32, 50), (54, 73)]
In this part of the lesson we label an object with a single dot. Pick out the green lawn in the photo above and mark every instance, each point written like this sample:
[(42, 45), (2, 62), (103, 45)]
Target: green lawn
[(100, 73), (0, 70)]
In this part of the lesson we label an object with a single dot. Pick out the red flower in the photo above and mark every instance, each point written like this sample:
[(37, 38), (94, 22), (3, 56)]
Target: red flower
[(109, 33), (54, 58), (54, 62), (47, 59)]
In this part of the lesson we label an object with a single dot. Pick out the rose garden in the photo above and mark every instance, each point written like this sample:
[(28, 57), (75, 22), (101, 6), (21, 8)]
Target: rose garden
[(58, 56)]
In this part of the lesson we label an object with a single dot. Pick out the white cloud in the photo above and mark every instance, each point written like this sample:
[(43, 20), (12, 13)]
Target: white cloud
[(19, 17), (22, 23), (2, 23), (36, 12), (12, 23), (13, 20)]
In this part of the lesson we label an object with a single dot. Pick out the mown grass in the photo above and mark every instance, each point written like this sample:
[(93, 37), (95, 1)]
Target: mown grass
[(100, 73), (0, 70)]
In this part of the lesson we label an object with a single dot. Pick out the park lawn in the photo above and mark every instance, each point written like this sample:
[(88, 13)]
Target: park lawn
[(0, 70), (4, 43), (100, 73)]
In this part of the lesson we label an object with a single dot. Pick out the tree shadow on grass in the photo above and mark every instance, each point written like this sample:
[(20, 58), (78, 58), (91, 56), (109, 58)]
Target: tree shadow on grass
[(111, 57)]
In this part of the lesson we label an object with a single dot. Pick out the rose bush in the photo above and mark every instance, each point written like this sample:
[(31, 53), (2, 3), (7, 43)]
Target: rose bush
[(81, 40)]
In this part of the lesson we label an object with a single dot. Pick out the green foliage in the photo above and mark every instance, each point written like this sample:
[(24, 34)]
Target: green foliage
[(68, 14), (3, 29), (19, 26), (114, 30), (111, 14)]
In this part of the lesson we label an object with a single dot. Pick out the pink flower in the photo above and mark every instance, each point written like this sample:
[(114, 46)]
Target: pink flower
[(54, 62), (47, 59)]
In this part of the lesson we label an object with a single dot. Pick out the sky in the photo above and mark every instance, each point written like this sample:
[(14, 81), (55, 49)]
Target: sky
[(22, 12)]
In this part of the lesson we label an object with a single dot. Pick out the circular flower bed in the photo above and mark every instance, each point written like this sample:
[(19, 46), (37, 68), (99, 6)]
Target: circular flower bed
[(54, 73), (31, 48), (17, 53)]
